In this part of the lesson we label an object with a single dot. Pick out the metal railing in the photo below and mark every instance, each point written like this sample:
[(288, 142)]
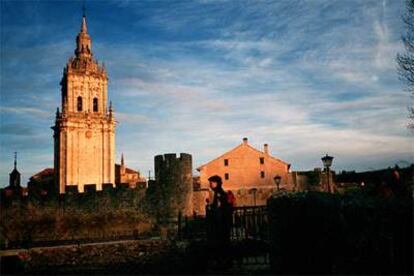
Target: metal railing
[(248, 222)]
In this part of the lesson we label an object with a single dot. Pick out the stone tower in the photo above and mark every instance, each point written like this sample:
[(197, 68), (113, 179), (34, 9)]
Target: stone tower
[(14, 176), (84, 131), (173, 186)]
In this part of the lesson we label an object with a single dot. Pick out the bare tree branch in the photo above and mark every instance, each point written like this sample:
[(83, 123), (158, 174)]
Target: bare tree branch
[(406, 60)]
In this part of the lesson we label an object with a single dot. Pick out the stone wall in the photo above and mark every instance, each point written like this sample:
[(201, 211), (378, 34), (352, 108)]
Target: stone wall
[(76, 217), (250, 197), (244, 197), (199, 201)]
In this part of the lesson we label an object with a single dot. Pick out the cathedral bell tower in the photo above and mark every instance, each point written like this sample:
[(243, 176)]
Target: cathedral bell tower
[(84, 130)]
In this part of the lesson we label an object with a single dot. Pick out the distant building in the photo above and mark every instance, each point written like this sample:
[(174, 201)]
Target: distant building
[(248, 172), (42, 183), (14, 187), (124, 175), (316, 180), (14, 176)]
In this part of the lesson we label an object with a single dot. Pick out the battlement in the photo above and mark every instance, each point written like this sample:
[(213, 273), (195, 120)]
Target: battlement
[(171, 159)]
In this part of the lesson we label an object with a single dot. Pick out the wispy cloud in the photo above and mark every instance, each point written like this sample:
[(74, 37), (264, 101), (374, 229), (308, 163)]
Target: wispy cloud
[(307, 77), (26, 111)]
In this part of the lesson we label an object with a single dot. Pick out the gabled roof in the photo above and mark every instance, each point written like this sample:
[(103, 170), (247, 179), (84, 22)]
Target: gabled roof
[(127, 170), (43, 173), (15, 171), (239, 146)]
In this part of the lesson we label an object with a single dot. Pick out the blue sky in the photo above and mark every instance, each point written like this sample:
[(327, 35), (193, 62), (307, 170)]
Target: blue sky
[(307, 77)]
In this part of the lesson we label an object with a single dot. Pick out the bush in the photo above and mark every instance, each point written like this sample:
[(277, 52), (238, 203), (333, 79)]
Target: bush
[(320, 233)]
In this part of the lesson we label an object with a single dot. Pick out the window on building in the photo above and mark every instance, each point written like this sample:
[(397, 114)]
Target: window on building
[(261, 160), (79, 103), (226, 162), (262, 174), (226, 176), (95, 104)]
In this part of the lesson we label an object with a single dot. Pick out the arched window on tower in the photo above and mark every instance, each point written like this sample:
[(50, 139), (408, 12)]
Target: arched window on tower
[(79, 103), (95, 104)]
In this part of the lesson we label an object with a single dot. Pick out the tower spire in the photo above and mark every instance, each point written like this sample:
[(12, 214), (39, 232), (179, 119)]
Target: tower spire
[(122, 159), (15, 160), (83, 40), (84, 28)]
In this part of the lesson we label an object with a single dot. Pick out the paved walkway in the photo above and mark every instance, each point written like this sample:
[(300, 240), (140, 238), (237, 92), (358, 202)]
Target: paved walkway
[(15, 252)]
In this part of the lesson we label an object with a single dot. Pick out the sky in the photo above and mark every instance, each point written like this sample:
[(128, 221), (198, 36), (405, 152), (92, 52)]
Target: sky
[(306, 77)]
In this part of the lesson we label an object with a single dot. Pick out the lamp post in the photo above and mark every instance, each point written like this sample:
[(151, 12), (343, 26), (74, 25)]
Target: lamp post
[(277, 180), (327, 163)]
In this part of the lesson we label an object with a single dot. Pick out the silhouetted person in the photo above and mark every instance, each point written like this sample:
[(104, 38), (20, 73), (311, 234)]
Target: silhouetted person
[(219, 217)]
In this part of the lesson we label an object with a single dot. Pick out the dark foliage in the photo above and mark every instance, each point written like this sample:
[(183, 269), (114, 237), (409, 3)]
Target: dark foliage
[(320, 233)]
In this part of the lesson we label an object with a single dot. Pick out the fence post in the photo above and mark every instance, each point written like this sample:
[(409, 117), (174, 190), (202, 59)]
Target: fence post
[(179, 224), (186, 226), (245, 223)]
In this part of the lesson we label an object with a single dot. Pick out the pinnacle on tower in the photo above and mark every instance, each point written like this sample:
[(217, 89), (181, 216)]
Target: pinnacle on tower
[(83, 40), (84, 28), (110, 109), (15, 160)]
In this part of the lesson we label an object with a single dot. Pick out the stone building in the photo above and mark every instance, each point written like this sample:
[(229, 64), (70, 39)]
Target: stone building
[(84, 130), (316, 180), (14, 188), (42, 183), (14, 177), (246, 171), (129, 177)]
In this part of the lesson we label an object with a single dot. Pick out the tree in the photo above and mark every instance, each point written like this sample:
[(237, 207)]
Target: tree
[(406, 60)]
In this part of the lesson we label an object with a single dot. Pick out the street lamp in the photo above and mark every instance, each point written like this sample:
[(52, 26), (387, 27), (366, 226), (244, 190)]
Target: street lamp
[(277, 180), (327, 163)]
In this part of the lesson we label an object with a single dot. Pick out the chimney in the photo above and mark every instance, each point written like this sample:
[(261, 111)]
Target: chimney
[(266, 149), (245, 141)]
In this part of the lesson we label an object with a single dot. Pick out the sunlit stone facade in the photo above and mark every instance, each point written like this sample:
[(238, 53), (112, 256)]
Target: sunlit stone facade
[(84, 131), (247, 172), (245, 167)]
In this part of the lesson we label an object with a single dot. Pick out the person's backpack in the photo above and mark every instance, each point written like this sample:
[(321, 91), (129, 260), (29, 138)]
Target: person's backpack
[(231, 199)]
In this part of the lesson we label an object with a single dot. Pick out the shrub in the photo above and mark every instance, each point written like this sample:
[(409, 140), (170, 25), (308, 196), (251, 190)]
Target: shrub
[(320, 233)]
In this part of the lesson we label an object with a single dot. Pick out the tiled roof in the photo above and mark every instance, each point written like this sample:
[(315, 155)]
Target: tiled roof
[(242, 145), (43, 173)]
